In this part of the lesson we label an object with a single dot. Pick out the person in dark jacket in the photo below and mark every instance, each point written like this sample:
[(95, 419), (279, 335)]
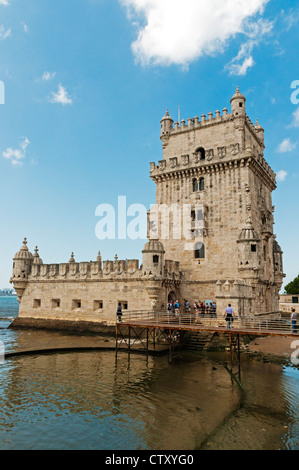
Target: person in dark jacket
[(119, 312)]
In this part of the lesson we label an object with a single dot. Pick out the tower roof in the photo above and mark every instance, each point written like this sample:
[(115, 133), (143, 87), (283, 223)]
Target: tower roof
[(36, 258), (24, 253), (153, 246), (238, 95), (166, 117)]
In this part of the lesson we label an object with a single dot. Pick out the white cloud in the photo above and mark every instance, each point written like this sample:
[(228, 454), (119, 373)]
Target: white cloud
[(281, 175), (287, 146), (16, 156), (4, 3), (48, 76), (4, 33), (178, 32), (255, 33), (61, 97)]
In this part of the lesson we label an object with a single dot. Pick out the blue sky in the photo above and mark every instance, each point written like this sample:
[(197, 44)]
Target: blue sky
[(86, 84)]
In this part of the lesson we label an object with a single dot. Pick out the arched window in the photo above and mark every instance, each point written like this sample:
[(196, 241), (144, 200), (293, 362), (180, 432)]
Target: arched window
[(201, 184), (195, 185), (202, 153), (199, 251)]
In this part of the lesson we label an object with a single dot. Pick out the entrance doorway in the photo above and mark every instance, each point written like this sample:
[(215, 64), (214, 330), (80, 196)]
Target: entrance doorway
[(172, 297)]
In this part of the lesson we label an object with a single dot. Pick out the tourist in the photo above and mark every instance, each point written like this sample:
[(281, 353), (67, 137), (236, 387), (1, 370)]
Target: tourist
[(195, 308), (229, 316), (119, 312), (294, 320), (169, 307), (188, 309), (177, 308), (202, 309), (214, 309)]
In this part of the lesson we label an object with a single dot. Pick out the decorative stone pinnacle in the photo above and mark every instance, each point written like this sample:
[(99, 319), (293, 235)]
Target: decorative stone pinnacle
[(72, 260)]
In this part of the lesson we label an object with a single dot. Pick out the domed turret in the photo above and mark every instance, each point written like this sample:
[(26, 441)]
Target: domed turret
[(238, 104), (36, 258), (23, 260), (166, 127), (249, 247), (260, 131), (153, 258)]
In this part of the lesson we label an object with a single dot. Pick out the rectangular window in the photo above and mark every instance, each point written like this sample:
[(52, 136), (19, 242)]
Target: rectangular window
[(76, 304), (37, 303), (253, 248), (295, 300), (55, 303), (124, 304), (97, 304)]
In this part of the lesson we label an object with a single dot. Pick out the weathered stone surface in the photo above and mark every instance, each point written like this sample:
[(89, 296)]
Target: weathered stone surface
[(217, 165)]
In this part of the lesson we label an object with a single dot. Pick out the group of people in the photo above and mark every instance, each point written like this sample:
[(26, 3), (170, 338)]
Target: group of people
[(199, 308)]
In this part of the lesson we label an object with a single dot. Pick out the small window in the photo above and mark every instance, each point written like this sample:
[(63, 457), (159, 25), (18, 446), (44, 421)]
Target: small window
[(201, 184), (199, 251), (124, 304), (56, 303), (76, 304), (193, 216), (240, 105), (37, 303), (195, 185), (97, 304), (155, 259), (253, 248), (202, 153), (295, 300)]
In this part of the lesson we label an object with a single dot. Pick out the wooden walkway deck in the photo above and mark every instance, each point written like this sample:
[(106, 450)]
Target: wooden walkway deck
[(145, 329)]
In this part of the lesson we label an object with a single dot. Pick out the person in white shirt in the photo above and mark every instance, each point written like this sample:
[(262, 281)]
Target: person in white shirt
[(229, 316)]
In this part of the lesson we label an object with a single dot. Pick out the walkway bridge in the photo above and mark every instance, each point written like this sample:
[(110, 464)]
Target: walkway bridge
[(156, 331)]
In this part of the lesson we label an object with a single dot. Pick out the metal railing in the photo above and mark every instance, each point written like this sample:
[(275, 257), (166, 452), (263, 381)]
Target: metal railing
[(213, 321)]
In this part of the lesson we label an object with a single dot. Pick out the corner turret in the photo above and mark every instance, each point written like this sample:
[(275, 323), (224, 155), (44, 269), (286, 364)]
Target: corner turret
[(238, 104), (22, 265), (166, 128), (153, 258)]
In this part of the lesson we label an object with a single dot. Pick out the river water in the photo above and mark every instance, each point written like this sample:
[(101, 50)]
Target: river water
[(90, 400)]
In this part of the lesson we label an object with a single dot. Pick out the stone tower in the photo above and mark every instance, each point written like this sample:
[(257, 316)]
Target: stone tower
[(214, 173)]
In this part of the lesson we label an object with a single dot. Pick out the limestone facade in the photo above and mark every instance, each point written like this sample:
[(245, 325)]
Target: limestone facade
[(214, 169)]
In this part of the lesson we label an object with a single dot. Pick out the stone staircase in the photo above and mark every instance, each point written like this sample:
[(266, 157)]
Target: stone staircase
[(197, 341)]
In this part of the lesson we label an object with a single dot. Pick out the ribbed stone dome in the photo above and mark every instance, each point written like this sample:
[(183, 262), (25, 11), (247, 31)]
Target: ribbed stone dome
[(238, 96), (36, 257), (24, 253), (153, 246), (248, 232)]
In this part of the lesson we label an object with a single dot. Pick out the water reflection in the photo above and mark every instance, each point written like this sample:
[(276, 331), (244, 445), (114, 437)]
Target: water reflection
[(90, 401)]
